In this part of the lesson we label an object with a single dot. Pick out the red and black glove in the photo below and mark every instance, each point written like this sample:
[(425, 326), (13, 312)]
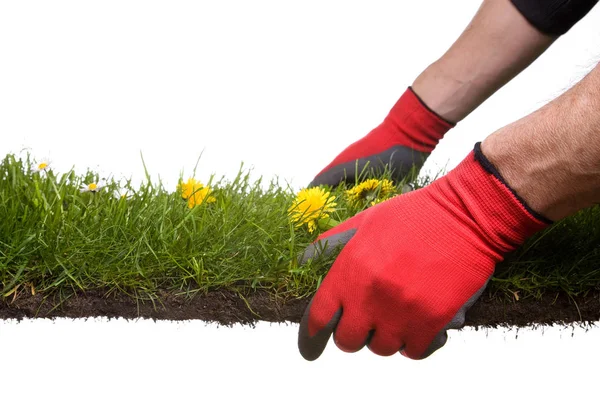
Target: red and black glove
[(411, 267), (404, 139)]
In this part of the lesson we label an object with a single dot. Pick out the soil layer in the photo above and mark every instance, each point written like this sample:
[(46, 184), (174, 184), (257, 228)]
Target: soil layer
[(227, 308)]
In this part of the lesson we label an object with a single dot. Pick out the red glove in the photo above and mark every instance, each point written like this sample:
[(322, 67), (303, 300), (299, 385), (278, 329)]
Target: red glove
[(404, 139), (412, 266)]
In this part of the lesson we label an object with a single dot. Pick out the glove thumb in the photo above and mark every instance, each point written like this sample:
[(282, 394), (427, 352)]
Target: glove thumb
[(332, 240)]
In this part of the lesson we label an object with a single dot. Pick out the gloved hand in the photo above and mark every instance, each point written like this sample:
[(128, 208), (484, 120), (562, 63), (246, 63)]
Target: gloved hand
[(404, 139), (411, 267)]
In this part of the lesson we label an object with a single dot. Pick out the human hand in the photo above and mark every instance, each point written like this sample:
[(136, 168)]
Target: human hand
[(412, 266), (402, 141)]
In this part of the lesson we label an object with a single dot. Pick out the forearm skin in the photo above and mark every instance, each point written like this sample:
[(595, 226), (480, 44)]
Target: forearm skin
[(495, 47), (551, 158)]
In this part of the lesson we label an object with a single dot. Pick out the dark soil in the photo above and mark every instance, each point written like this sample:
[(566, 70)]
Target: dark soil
[(227, 308)]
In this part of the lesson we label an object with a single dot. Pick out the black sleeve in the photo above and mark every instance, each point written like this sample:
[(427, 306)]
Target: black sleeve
[(554, 17)]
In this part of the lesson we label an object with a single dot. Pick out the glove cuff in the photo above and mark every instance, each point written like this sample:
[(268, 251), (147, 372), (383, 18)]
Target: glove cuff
[(477, 197), (421, 128), (491, 169)]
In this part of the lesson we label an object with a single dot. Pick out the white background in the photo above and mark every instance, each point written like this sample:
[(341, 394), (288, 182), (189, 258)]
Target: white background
[(283, 87)]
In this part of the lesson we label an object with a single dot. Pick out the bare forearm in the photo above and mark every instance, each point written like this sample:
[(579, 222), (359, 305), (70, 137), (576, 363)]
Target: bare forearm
[(496, 46), (551, 157)]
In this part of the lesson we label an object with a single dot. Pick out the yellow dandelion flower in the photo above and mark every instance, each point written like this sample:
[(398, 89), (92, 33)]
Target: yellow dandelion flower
[(195, 193), (370, 191), (310, 206)]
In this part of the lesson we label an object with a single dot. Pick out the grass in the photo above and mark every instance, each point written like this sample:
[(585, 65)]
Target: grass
[(54, 237)]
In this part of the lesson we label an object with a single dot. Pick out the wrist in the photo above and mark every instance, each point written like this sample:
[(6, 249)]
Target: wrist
[(415, 125), (551, 180), (445, 93)]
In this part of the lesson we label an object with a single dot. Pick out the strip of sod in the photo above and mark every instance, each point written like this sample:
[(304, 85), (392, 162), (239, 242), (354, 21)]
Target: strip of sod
[(75, 245)]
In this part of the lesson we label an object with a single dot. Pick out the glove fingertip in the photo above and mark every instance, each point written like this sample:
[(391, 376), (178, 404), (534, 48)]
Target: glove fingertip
[(438, 342), (312, 346)]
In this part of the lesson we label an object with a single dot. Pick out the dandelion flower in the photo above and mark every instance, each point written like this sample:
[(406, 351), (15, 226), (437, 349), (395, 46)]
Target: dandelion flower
[(92, 187), (371, 191), (195, 193), (310, 206), (41, 166)]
